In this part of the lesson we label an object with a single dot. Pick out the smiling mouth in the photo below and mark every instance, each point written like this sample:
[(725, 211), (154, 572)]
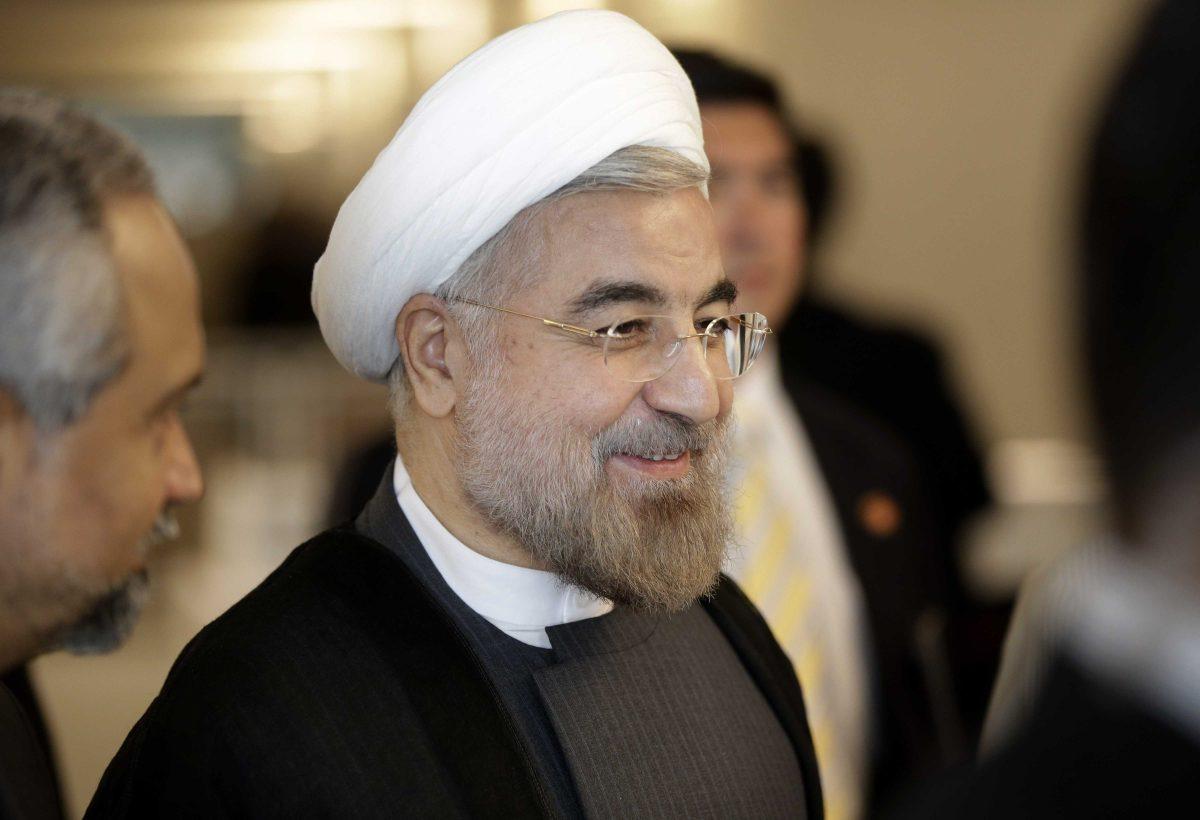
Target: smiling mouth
[(656, 465), (655, 456)]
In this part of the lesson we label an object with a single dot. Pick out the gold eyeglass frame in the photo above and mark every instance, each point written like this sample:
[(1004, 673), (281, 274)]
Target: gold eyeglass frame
[(593, 334)]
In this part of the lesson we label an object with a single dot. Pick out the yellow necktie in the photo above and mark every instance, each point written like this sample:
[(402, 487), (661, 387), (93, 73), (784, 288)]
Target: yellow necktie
[(776, 580)]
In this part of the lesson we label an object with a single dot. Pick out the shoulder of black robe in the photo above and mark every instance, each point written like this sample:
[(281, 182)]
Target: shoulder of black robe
[(341, 657), (773, 673), (27, 789), (335, 688)]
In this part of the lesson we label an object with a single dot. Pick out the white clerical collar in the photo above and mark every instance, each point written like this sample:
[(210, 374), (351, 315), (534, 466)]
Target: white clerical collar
[(519, 601), (1141, 630)]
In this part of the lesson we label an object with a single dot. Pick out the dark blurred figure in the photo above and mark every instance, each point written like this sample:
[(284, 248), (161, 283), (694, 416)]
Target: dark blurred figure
[(773, 191), (886, 526), (895, 372), (278, 274), (892, 370), (24, 717), (100, 340), (1116, 729)]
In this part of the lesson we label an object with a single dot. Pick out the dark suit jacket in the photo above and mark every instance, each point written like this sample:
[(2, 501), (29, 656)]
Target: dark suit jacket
[(896, 375), (903, 584), (340, 688), (27, 786), (1088, 751)]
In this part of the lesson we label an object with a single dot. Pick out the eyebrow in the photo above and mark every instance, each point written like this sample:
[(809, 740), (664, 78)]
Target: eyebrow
[(604, 294), (723, 291), (177, 393)]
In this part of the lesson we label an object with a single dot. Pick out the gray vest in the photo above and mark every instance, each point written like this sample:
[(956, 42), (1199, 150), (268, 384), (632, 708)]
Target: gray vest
[(627, 714)]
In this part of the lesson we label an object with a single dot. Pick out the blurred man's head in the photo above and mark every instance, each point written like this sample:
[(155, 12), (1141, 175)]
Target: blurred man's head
[(756, 192), (610, 477), (100, 339), (1141, 283)]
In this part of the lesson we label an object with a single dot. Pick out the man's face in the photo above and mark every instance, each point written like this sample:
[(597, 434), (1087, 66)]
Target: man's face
[(757, 205), (560, 453), (78, 507)]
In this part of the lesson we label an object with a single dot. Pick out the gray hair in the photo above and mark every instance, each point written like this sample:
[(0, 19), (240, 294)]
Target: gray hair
[(61, 334), (506, 263)]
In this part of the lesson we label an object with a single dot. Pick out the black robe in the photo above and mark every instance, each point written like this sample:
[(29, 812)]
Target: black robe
[(339, 688), (27, 786)]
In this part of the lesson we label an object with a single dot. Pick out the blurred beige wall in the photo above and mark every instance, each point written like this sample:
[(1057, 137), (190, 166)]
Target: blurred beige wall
[(960, 126)]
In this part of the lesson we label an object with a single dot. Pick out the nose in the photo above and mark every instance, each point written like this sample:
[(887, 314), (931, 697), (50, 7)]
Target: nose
[(185, 483), (689, 388)]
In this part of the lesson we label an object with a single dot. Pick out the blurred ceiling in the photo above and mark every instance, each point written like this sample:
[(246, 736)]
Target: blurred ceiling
[(302, 76)]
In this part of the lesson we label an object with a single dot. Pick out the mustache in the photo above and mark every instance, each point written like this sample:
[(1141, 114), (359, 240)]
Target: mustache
[(666, 434), (165, 528)]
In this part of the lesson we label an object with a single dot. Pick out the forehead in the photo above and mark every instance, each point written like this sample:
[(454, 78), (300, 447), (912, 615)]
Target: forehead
[(159, 289), (666, 241), (743, 132)]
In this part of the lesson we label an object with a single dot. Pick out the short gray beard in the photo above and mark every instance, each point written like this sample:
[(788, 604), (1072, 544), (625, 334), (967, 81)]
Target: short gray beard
[(110, 620), (655, 546), (112, 616)]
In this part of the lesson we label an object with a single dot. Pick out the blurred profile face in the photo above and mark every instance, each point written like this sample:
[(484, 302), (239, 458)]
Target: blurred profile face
[(757, 205), (617, 486), (78, 506)]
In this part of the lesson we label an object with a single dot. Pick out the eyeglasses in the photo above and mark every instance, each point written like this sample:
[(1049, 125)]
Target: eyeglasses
[(644, 348)]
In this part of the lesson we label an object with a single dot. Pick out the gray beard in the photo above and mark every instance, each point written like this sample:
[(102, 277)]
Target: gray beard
[(655, 546), (110, 620), (112, 615)]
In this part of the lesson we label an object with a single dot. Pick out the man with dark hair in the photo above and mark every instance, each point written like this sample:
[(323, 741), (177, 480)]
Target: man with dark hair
[(1115, 729), (100, 339), (893, 372), (851, 524)]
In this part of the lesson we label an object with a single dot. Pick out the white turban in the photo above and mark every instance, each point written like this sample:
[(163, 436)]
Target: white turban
[(507, 126)]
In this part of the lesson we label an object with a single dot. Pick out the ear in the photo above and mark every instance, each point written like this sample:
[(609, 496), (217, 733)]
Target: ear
[(433, 353)]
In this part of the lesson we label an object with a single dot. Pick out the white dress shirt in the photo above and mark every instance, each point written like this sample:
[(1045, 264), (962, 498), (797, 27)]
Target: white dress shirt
[(770, 436), (519, 601)]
